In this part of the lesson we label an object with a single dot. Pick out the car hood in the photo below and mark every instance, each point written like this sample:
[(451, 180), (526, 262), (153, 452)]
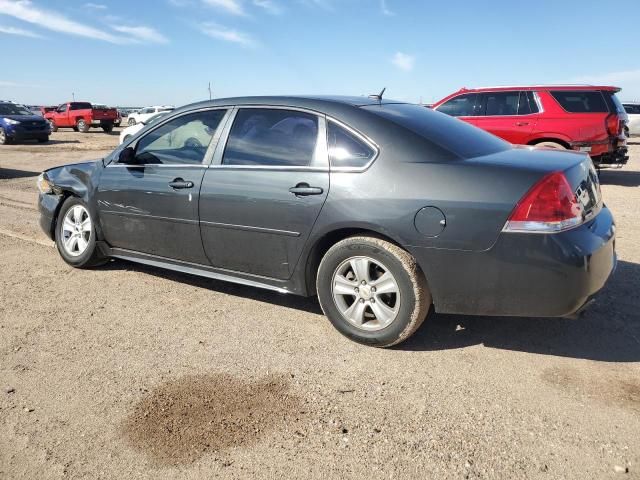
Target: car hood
[(24, 118)]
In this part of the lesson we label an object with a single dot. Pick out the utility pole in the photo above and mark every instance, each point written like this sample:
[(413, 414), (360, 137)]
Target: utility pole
[(73, 96), (209, 90)]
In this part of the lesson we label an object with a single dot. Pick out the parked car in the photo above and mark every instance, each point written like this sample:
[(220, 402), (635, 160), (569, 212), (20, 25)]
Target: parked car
[(380, 208), (81, 116), (633, 112), (19, 123), (146, 113), (584, 118), (129, 132)]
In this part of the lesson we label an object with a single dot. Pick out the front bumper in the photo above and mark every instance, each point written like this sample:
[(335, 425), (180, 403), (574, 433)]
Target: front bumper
[(19, 133), (49, 205), (530, 275)]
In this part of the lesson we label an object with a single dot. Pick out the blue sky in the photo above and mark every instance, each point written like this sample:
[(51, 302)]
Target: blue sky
[(142, 52)]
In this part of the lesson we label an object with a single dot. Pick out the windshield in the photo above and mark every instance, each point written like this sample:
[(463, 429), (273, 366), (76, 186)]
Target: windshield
[(448, 133), (13, 109)]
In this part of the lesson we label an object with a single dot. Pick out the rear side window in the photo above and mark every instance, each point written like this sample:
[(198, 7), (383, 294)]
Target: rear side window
[(272, 137), (460, 106), (581, 101), (632, 108), (346, 149), (454, 136), (80, 106)]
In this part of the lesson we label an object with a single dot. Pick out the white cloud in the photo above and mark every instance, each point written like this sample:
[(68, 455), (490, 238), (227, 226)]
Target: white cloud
[(228, 35), (97, 6), (141, 34), (233, 7), (269, 6), (385, 9), (25, 10), (628, 80), (403, 61), (19, 31)]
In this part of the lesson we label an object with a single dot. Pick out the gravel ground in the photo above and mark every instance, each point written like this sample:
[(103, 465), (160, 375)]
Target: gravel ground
[(133, 372)]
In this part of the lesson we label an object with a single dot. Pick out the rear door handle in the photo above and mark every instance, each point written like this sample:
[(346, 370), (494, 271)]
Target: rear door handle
[(521, 124), (303, 189), (180, 183)]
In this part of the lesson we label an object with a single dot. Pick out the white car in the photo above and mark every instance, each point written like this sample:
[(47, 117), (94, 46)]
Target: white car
[(633, 111), (135, 128), (147, 112)]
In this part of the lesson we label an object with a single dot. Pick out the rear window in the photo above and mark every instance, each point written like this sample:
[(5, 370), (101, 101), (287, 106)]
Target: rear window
[(445, 132), (581, 101)]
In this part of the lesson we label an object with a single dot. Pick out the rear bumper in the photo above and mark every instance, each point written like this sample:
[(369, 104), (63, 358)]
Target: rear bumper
[(530, 275)]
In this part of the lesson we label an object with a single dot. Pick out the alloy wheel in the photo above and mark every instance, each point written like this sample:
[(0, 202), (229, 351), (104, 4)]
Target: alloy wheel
[(366, 293), (76, 230)]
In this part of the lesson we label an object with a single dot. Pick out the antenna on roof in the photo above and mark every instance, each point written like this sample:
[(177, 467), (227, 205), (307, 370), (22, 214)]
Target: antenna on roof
[(379, 95)]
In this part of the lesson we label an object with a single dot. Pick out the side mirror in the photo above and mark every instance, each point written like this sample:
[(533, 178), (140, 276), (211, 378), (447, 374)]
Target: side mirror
[(127, 156)]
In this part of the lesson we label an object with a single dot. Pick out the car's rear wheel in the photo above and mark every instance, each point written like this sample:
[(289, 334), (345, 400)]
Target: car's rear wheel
[(372, 291), (82, 126), (549, 144), (75, 235), (107, 127), (131, 122)]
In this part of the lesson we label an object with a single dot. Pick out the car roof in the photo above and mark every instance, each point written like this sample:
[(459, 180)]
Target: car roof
[(317, 102), (567, 87)]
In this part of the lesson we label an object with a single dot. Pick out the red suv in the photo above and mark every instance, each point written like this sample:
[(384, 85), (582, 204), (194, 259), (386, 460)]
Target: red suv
[(585, 118)]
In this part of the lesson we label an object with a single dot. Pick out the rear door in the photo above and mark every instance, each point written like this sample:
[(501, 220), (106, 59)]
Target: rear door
[(511, 115), (264, 190)]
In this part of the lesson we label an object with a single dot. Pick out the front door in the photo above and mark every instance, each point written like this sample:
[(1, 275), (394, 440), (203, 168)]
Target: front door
[(264, 191), (151, 205)]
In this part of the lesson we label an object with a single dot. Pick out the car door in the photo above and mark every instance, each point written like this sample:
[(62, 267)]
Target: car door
[(150, 204), (264, 190), (511, 115), (61, 117)]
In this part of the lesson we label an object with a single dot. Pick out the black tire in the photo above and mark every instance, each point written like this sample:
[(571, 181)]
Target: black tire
[(91, 257), (107, 128), (43, 139), (75, 129), (82, 126), (414, 294), (4, 139)]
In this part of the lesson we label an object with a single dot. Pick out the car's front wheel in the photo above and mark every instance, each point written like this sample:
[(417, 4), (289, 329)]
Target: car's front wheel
[(372, 291), (4, 139), (75, 235)]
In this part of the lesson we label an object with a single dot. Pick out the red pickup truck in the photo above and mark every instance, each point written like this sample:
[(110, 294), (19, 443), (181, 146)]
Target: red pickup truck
[(81, 116)]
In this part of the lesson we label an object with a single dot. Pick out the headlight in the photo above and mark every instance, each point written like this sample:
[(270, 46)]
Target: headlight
[(11, 121), (44, 185)]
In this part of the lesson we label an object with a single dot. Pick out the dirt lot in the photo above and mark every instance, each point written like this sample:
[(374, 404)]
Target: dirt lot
[(133, 372)]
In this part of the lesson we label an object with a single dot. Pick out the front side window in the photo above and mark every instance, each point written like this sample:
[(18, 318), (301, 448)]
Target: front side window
[(581, 101), (62, 108), (460, 106), (272, 137), (183, 140), (346, 149)]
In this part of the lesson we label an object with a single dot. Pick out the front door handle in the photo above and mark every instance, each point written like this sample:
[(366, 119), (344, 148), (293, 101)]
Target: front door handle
[(180, 183), (303, 189)]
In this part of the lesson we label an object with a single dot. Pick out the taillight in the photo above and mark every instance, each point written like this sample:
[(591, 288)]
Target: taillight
[(612, 123), (549, 206)]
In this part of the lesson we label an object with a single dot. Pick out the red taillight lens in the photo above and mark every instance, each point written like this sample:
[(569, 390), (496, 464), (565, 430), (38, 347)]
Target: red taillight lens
[(550, 206), (612, 123)]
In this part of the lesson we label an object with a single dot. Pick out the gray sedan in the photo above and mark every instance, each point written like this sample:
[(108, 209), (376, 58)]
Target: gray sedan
[(384, 210)]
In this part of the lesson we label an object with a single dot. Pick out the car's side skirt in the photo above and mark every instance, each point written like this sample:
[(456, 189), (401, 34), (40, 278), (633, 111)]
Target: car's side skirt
[(197, 269)]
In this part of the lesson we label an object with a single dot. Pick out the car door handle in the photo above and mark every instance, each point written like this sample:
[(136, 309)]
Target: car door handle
[(303, 189), (180, 183), (521, 124)]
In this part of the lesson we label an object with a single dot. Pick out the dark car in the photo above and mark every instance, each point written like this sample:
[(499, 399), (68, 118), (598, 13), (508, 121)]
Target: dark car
[(18, 123), (380, 208)]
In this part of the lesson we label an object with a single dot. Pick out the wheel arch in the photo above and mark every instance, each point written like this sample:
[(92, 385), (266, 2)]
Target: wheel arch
[(557, 139), (324, 242)]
